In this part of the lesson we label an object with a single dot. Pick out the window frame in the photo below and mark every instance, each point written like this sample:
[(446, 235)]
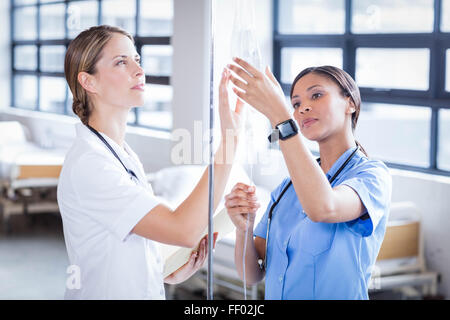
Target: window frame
[(435, 98), (140, 41)]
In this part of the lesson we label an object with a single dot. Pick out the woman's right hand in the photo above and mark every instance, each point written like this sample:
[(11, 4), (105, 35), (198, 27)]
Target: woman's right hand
[(242, 204)]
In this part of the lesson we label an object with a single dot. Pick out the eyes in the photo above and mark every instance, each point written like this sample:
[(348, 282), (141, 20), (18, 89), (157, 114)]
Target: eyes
[(124, 62), (314, 96)]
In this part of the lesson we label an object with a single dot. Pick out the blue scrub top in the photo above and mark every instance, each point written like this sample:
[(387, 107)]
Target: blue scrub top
[(315, 260)]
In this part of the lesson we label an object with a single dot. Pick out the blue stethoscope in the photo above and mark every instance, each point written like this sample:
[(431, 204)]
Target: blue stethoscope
[(129, 171), (263, 264)]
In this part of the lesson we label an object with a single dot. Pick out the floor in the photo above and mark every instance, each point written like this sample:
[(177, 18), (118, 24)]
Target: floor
[(33, 258), (33, 262)]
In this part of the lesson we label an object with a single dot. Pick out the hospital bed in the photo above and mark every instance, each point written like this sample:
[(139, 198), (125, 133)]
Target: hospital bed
[(401, 265), (28, 174)]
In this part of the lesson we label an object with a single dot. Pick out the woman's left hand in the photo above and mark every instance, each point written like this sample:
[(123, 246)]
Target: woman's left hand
[(195, 262), (261, 91)]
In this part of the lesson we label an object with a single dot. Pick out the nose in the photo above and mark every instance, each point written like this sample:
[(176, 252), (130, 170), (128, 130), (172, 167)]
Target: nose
[(304, 110), (139, 71)]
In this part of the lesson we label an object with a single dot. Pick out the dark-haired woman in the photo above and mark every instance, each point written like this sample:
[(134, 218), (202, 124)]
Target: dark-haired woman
[(325, 223)]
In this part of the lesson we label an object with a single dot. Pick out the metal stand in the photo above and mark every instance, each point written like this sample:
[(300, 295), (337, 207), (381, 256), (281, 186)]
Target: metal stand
[(210, 280)]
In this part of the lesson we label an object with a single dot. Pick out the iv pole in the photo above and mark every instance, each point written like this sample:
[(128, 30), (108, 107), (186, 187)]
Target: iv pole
[(210, 279)]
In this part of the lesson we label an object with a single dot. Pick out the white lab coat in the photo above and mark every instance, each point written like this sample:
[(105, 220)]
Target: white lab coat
[(100, 204)]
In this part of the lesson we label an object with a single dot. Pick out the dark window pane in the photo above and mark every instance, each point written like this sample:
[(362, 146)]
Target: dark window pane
[(157, 111), (52, 21), (25, 23), (447, 70), (80, 16), (19, 2), (393, 68), (25, 57), (120, 13), (445, 16), (156, 18), (69, 103), (52, 58), (25, 91), (306, 16), (387, 16), (131, 119), (395, 133), (295, 60), (444, 140), (157, 60), (53, 94)]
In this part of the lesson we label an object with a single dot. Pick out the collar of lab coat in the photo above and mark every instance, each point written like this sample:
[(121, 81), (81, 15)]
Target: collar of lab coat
[(123, 153)]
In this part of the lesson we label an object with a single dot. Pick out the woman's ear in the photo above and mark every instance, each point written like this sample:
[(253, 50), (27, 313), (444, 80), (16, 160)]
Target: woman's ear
[(351, 106), (87, 81)]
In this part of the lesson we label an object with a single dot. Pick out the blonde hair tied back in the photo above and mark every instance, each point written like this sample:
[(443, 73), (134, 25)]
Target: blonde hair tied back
[(82, 55)]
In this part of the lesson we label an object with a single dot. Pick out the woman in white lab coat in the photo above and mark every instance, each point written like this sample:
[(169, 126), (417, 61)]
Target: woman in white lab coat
[(112, 221)]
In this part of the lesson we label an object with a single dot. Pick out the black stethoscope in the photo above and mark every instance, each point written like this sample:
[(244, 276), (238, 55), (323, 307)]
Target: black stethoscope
[(129, 171), (263, 264)]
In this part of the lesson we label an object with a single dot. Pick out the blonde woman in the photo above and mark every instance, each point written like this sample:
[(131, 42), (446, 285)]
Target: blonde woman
[(112, 221)]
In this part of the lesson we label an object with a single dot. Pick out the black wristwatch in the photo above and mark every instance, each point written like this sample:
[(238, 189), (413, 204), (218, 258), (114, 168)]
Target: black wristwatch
[(283, 131)]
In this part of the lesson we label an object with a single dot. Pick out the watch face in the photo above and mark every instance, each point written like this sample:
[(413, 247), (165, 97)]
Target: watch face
[(286, 130)]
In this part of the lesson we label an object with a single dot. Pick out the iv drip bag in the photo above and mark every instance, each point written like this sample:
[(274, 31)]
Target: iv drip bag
[(244, 43)]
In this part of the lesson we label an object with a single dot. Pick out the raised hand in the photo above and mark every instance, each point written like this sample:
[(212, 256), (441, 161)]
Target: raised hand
[(260, 90), (230, 121)]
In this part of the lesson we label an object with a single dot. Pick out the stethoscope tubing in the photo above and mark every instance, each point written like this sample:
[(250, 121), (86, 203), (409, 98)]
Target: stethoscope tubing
[(129, 171), (269, 217)]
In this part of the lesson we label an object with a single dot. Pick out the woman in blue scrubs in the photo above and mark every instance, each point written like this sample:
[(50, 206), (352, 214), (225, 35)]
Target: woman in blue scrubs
[(328, 218)]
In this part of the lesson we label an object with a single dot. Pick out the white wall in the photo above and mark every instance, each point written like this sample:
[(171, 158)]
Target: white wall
[(191, 64)]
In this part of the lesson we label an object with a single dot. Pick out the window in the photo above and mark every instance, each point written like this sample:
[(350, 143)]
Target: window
[(393, 142), (387, 16), (397, 51), (312, 17), (447, 70), (393, 71), (42, 30), (444, 137), (295, 59), (25, 58)]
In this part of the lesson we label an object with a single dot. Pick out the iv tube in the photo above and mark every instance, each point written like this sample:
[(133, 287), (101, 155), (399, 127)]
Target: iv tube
[(244, 45)]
